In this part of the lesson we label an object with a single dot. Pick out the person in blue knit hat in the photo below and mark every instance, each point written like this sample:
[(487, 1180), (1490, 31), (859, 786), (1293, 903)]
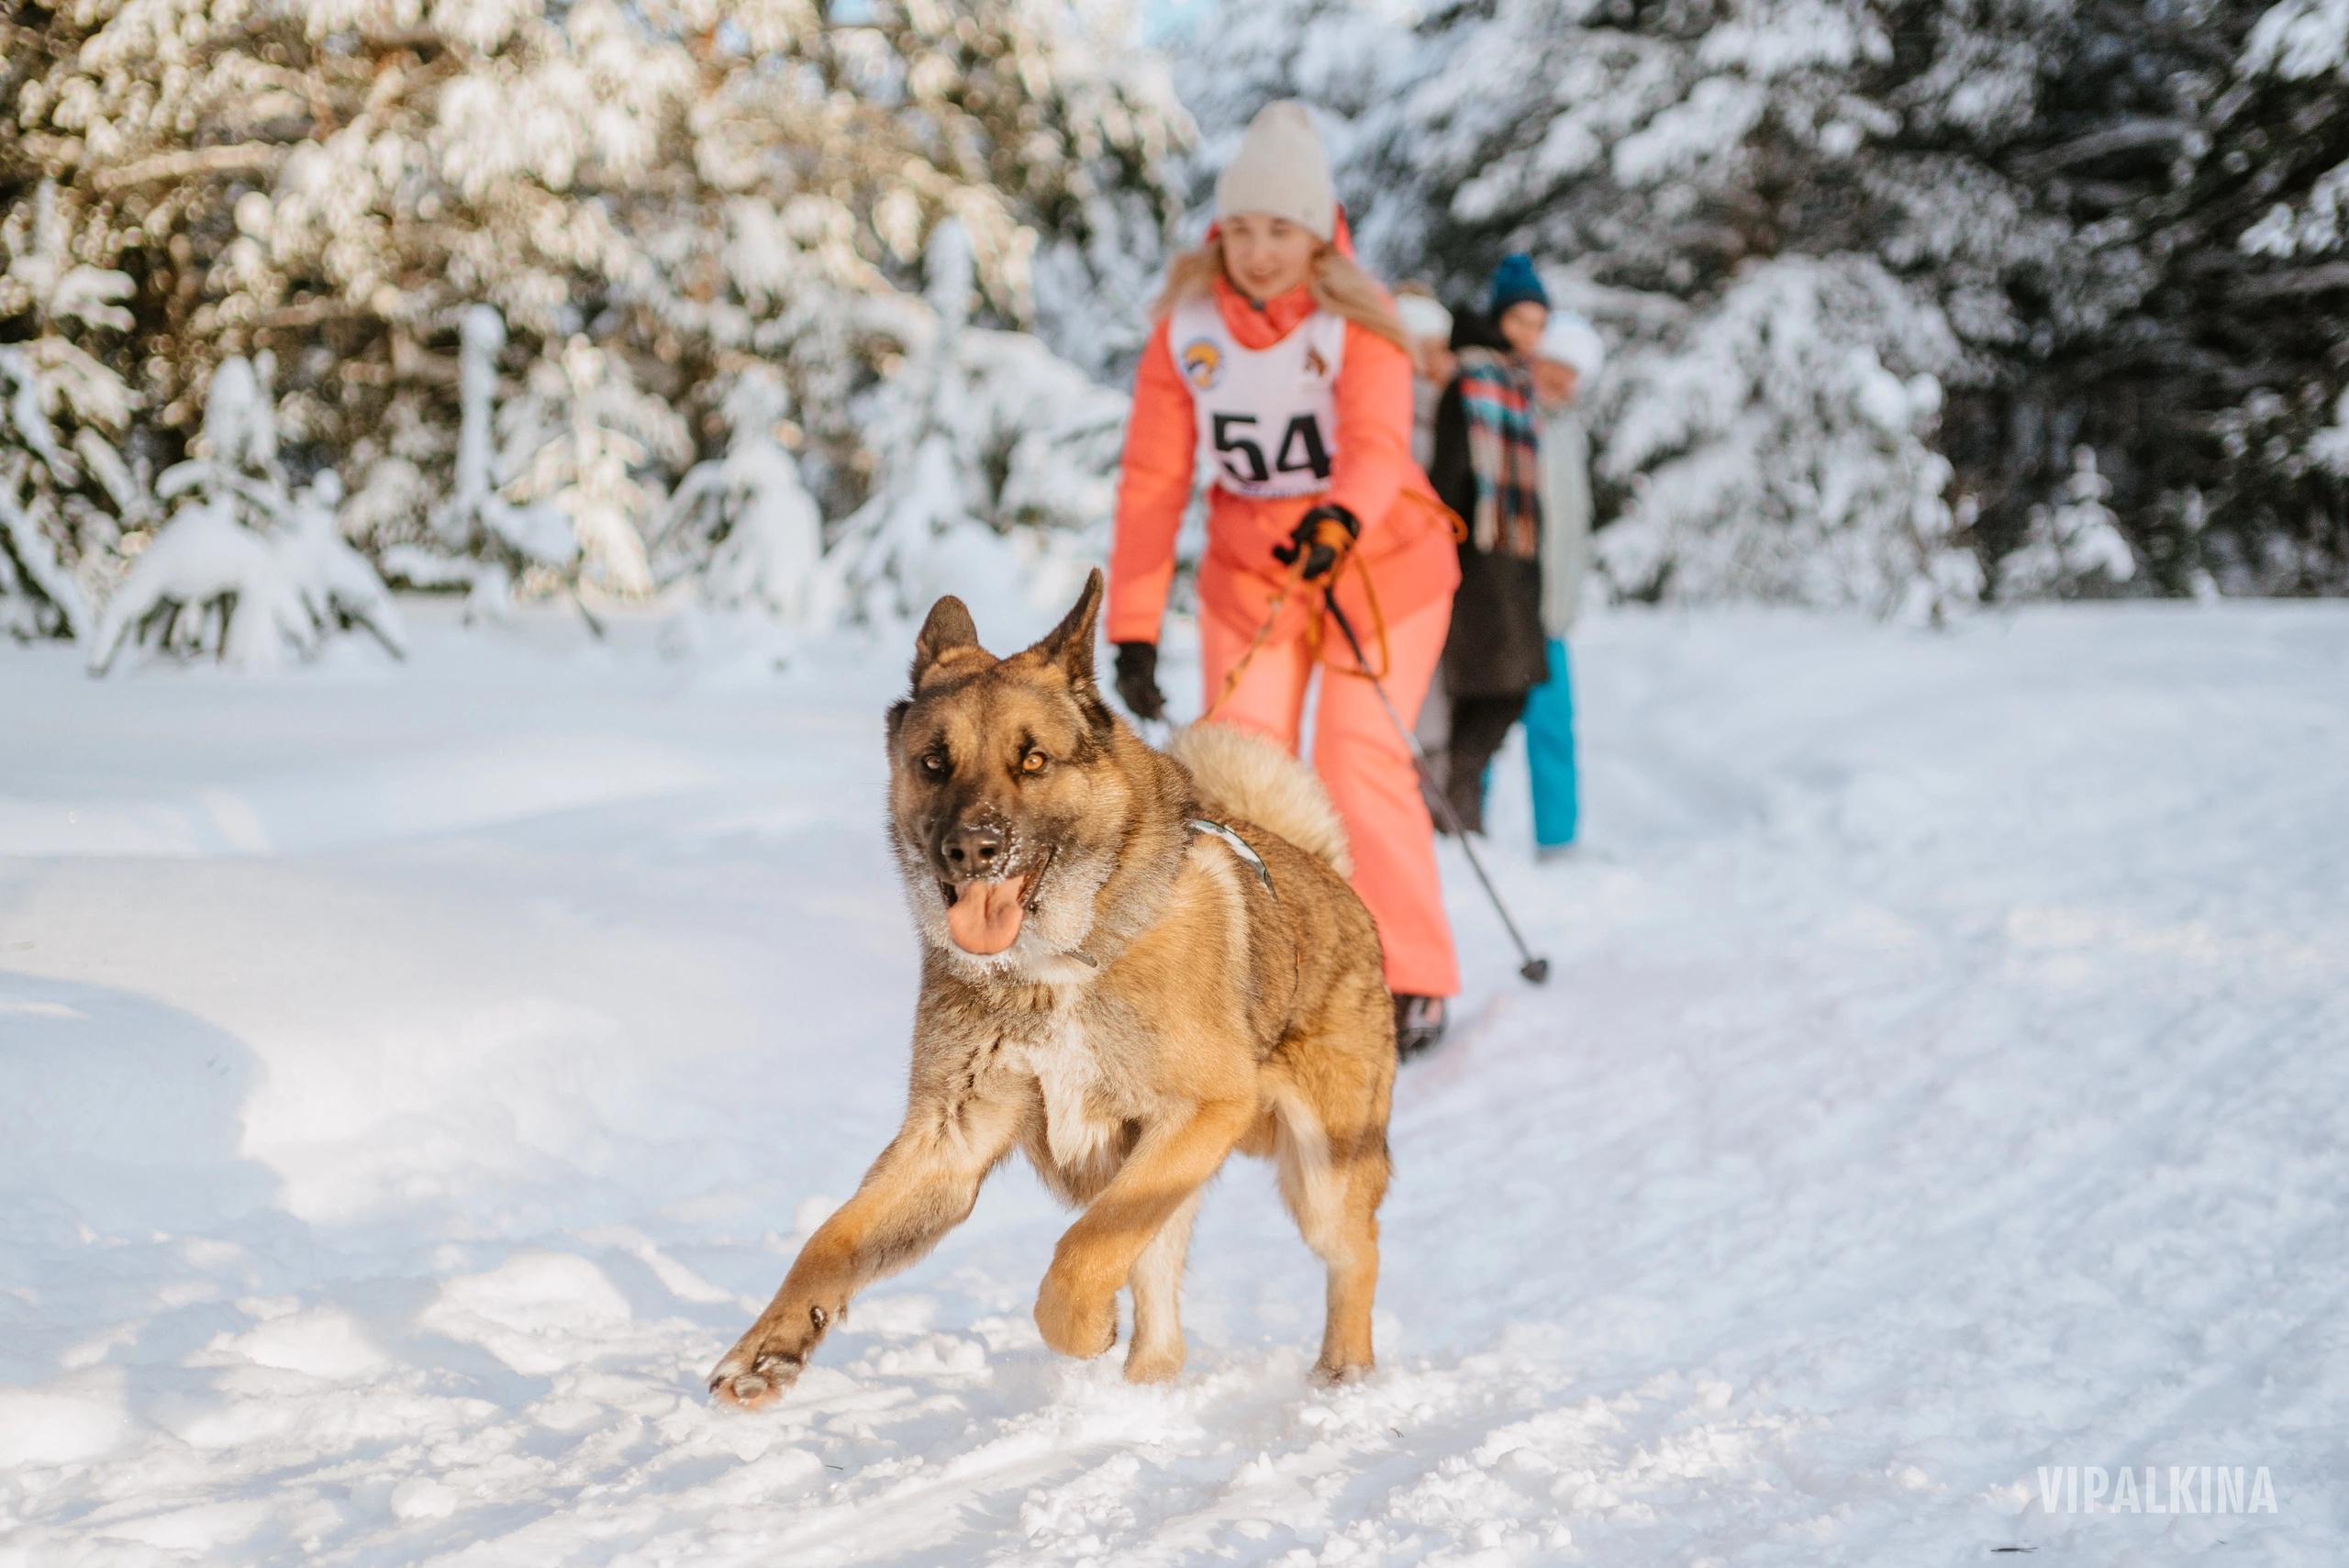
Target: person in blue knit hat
[(1517, 304), (1487, 468)]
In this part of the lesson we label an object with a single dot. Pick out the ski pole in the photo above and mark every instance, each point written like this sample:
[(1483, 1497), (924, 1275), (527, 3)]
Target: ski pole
[(1535, 970)]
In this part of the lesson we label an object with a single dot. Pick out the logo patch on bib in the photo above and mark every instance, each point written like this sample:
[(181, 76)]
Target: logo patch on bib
[(1202, 362)]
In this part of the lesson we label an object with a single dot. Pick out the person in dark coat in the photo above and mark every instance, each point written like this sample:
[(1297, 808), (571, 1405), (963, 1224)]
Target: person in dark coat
[(1488, 469)]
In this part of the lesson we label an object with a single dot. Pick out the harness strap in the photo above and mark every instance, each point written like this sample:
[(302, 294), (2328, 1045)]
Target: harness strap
[(1239, 847)]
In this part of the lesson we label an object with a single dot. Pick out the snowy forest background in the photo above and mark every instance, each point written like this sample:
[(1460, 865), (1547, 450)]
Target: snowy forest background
[(786, 311)]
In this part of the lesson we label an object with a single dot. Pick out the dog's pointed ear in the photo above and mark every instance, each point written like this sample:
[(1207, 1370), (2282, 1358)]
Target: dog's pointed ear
[(1070, 644), (948, 630)]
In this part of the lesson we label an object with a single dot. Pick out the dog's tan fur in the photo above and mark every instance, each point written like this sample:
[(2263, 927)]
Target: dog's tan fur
[(1160, 1008)]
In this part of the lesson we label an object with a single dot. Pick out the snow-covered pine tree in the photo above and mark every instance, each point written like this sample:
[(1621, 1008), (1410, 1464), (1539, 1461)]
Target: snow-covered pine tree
[(2124, 217), (38, 597), (2140, 240), (65, 501), (752, 535), (2073, 544), (1776, 448), (477, 537), (1660, 146), (580, 434), (749, 518), (2259, 306), (1695, 176), (246, 569), (1007, 481), (680, 184), (2046, 155)]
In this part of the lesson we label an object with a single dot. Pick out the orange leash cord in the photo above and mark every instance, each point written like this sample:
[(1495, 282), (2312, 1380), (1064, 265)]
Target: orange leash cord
[(1459, 531), (1334, 535), (1289, 579)]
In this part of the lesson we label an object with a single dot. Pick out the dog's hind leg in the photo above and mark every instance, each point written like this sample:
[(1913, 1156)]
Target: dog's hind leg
[(1333, 1180), (1156, 1281)]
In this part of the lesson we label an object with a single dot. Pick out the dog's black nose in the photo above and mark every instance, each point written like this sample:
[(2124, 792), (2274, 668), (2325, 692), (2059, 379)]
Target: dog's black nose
[(975, 849)]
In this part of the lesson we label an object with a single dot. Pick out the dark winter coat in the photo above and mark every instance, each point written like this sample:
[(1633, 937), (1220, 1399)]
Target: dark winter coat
[(1496, 647)]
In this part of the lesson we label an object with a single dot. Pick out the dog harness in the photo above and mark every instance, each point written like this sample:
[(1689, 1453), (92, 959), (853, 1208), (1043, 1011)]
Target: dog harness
[(1239, 847)]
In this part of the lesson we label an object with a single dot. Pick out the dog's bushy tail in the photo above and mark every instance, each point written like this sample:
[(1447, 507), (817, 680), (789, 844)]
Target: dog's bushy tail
[(1240, 773)]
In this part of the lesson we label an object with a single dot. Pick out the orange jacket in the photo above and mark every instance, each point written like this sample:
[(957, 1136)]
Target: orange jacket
[(1406, 540)]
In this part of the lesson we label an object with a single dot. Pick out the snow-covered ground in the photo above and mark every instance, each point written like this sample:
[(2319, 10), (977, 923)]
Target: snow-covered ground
[(411, 1078)]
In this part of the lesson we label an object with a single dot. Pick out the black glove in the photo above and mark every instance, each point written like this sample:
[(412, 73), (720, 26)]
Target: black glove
[(1138, 679), (1318, 541)]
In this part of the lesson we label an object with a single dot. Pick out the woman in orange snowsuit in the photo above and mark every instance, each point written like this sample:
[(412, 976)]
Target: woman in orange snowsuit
[(1281, 357)]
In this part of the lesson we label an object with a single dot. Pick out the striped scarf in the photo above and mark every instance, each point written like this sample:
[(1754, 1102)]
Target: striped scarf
[(1504, 448)]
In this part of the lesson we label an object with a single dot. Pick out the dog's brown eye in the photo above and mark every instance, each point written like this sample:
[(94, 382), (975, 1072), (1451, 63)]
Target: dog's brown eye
[(932, 763), (1033, 762)]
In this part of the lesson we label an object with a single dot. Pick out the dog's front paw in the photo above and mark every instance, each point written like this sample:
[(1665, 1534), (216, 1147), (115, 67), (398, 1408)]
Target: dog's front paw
[(753, 1380), (1155, 1364), (770, 1358), (1075, 1321), (1327, 1374)]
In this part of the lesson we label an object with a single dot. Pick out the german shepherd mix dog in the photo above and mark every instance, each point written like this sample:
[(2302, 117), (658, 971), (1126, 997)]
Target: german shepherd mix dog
[(1134, 963)]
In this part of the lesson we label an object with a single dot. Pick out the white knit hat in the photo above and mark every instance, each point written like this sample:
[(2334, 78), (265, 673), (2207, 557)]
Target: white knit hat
[(1570, 340), (1281, 170), (1424, 316)]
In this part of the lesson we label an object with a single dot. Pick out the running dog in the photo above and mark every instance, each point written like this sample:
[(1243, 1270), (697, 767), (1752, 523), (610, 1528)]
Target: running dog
[(1134, 963)]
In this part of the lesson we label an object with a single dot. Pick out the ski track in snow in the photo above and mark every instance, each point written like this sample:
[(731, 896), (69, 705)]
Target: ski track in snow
[(411, 1080)]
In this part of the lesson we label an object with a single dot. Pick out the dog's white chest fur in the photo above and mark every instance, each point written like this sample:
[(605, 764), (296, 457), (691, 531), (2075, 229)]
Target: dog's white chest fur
[(1066, 1073)]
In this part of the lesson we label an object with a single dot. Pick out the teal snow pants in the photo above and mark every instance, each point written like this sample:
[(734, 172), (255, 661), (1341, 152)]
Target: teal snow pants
[(1550, 750)]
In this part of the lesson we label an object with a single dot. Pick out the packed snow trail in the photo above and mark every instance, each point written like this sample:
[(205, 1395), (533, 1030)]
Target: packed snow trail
[(411, 1078)]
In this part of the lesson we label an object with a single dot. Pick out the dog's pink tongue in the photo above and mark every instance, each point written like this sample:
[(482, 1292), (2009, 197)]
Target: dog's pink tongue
[(985, 917)]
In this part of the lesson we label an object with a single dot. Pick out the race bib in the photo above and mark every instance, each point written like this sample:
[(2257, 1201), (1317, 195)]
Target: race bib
[(1268, 417)]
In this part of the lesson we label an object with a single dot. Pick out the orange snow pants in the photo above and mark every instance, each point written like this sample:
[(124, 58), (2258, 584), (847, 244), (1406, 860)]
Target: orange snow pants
[(1362, 762)]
